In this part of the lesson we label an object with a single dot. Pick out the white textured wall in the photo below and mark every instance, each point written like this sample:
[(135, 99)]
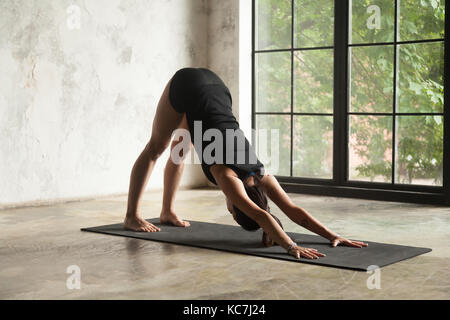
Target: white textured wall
[(223, 45), (76, 105), (229, 53)]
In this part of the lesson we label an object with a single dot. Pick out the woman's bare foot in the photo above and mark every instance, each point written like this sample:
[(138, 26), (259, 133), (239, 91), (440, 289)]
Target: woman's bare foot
[(136, 223), (169, 217)]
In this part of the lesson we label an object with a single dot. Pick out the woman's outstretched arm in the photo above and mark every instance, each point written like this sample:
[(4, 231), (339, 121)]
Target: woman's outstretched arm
[(234, 190), (299, 215)]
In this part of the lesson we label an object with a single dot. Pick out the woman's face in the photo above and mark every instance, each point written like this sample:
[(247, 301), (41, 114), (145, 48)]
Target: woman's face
[(230, 208), (250, 181)]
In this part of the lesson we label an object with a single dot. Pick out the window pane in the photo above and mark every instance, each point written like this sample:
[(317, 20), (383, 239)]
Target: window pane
[(273, 81), (419, 145), (273, 143), (313, 81), (371, 21), (313, 146), (273, 24), (313, 23), (371, 82), (421, 19), (370, 148), (421, 77)]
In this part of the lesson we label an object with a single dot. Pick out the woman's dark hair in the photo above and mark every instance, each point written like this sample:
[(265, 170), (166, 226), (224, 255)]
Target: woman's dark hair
[(257, 195)]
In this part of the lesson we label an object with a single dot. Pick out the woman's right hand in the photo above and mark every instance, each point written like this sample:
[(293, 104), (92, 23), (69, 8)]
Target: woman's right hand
[(308, 253)]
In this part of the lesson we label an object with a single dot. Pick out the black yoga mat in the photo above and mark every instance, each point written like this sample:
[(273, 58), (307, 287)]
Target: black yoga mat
[(235, 239)]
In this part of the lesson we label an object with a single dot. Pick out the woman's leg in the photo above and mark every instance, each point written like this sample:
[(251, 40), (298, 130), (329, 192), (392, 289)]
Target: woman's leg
[(172, 177), (165, 122)]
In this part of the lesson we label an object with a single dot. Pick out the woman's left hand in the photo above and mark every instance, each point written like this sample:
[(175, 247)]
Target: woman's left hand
[(348, 243)]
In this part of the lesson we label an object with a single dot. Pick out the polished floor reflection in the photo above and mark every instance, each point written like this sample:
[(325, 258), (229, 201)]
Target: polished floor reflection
[(38, 244)]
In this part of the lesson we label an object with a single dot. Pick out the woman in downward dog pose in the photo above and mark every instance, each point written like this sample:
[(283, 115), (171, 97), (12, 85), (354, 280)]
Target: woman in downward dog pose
[(198, 101)]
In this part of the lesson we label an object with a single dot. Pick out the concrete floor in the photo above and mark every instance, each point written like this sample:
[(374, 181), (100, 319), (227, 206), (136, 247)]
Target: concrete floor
[(37, 244)]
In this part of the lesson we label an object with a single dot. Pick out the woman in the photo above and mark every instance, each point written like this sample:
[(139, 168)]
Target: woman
[(198, 94)]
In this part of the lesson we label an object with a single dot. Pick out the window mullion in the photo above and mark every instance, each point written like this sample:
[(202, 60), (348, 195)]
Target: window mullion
[(292, 88), (394, 91), (446, 155), (340, 91)]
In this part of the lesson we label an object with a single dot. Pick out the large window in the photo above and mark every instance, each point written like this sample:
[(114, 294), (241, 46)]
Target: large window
[(353, 93)]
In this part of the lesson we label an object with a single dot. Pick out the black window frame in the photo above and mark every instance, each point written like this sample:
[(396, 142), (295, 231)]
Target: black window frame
[(339, 185)]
